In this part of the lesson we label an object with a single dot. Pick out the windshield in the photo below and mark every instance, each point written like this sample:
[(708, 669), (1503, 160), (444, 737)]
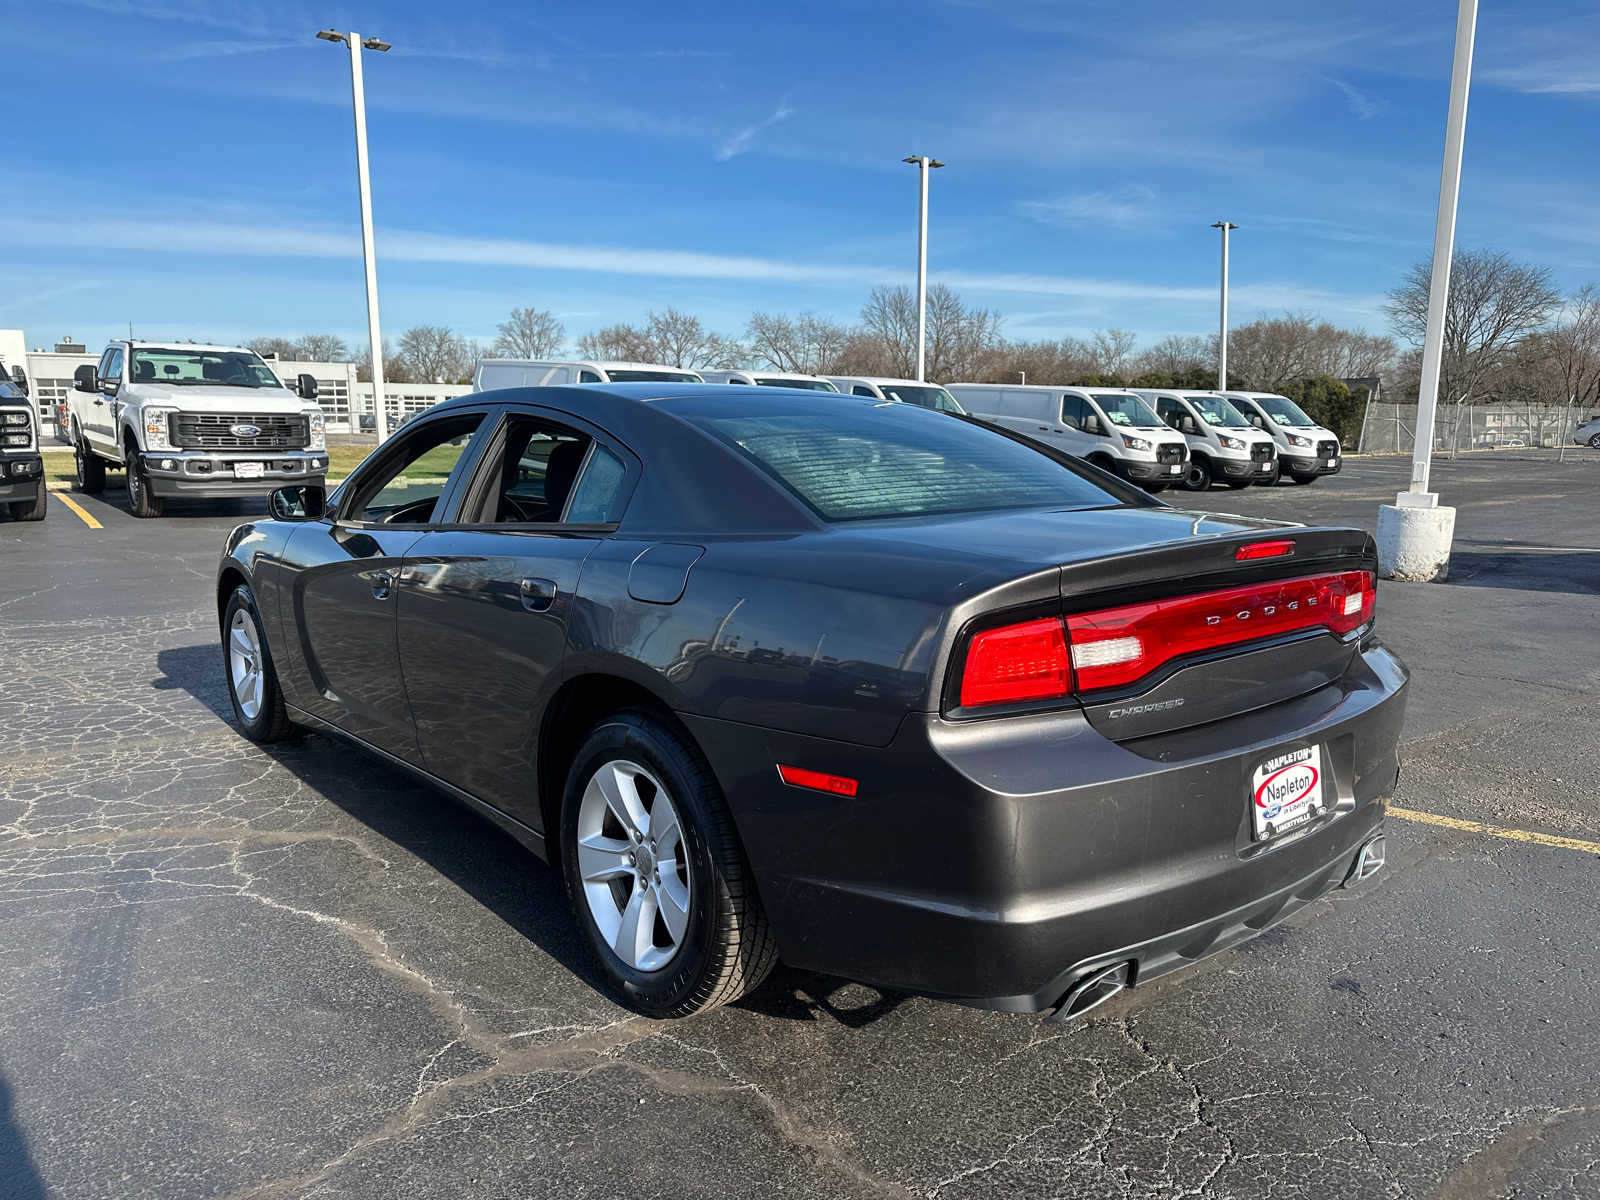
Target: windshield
[(891, 460), (805, 385), (1122, 409), (201, 368), (1217, 411), (652, 377), (1283, 410), (922, 396)]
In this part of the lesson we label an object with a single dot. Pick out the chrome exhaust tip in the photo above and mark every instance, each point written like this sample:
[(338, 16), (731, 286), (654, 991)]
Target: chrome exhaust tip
[(1369, 861), (1092, 991)]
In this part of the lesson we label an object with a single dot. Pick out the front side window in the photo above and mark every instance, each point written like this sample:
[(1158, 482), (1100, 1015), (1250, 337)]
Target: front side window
[(862, 389), (1122, 408), (113, 370), (805, 385), (1218, 412), (898, 461), (202, 368), (588, 377), (651, 377), (406, 488), (923, 396), (1072, 412)]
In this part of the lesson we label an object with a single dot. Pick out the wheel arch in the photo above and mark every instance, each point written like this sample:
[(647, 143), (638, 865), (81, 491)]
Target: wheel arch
[(230, 577)]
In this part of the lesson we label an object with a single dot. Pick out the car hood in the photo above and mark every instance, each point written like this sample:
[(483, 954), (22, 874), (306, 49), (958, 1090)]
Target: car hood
[(218, 399)]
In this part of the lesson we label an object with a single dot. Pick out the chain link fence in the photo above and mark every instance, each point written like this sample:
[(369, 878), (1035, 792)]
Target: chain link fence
[(1392, 428)]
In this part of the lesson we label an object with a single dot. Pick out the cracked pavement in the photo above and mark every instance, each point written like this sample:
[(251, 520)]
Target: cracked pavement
[(236, 971)]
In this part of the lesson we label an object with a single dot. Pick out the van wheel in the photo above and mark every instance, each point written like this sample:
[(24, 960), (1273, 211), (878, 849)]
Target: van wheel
[(1153, 488), (140, 502), (32, 510), (1199, 477), (91, 468), (1304, 479), (1104, 463), (655, 873)]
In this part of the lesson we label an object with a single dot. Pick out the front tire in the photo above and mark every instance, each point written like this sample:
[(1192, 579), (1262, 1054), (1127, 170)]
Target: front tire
[(655, 872), (90, 467), (140, 502), (252, 679), (1199, 477), (1594, 442), (1303, 480), (32, 510)]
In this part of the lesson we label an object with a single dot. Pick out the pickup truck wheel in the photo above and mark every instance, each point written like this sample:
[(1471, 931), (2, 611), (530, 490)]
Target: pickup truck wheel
[(252, 679), (91, 468), (655, 872), (140, 502), (32, 510)]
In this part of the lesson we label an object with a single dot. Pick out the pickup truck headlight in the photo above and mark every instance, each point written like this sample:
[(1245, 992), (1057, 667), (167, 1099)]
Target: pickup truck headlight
[(16, 439), (315, 425), (156, 432), (13, 418), (1230, 443), (1135, 443), (1296, 440)]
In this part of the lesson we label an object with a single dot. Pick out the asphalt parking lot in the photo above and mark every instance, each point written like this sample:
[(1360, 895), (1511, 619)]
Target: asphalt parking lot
[(236, 971)]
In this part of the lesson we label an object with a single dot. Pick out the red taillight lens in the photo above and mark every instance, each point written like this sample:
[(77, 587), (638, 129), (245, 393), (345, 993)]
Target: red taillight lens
[(1017, 662), (819, 781), (1263, 550), (1119, 646)]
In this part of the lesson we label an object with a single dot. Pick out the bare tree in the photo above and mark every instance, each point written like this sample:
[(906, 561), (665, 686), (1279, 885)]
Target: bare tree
[(1574, 346), (616, 343), (808, 344), (1494, 303), (282, 347), (1177, 354), (961, 342), (432, 353), (889, 327), (321, 347), (530, 333), (1109, 350), (681, 341), (395, 368)]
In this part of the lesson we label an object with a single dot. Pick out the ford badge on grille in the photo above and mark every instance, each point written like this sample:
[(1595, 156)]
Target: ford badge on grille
[(245, 431)]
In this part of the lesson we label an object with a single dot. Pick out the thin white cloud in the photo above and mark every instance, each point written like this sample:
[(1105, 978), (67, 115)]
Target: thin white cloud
[(741, 141), (1363, 105), (1122, 207)]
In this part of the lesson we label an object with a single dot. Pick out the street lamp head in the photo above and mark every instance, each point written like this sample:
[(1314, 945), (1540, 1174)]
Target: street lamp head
[(912, 159), (934, 162), (374, 44), (1224, 225), (917, 160), (332, 35)]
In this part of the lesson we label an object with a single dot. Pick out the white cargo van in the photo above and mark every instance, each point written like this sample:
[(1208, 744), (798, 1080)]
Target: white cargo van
[(1306, 450), (1115, 430), (494, 373), (907, 391), (1222, 444), (788, 379)]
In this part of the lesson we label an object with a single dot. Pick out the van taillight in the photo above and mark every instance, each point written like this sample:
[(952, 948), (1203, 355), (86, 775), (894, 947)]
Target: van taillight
[(1116, 647), (1029, 661)]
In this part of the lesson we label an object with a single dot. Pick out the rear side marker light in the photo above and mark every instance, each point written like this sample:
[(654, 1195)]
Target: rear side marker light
[(1029, 661), (1263, 550), (818, 781)]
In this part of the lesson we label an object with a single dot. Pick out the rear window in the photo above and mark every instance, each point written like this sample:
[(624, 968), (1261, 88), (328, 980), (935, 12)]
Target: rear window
[(902, 461)]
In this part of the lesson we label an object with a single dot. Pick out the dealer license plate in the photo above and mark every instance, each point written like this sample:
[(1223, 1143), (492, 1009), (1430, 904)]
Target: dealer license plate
[(1286, 791), (248, 470), (1328, 462), (1174, 469)]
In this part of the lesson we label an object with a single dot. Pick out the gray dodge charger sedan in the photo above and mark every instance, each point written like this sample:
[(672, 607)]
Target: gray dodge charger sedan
[(885, 692)]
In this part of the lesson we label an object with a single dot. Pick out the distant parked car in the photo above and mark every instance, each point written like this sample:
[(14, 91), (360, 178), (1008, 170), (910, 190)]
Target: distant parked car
[(786, 379), (493, 373), (1588, 434)]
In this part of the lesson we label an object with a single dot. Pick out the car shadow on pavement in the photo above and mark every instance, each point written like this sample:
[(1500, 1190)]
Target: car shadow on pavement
[(490, 866), (1528, 571), (19, 1177)]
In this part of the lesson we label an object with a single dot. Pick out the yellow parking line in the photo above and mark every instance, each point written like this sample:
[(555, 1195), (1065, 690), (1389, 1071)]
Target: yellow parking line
[(1516, 835), (73, 505)]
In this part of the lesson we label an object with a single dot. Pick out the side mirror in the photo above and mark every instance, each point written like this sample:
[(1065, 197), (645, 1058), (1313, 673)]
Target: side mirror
[(20, 378), (299, 502), (1258, 422), (1091, 423), (85, 379), (1189, 426), (307, 387)]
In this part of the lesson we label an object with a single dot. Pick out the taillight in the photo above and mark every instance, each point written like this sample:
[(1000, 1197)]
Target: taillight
[(1119, 646), (820, 781), (1017, 662)]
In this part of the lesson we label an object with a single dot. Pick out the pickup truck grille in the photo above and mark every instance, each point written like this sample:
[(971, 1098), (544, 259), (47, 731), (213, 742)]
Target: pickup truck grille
[(214, 431), (1261, 452), (1168, 453), (1327, 449)]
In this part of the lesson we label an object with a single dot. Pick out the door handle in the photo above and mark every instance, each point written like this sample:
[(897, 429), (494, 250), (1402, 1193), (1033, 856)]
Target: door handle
[(382, 581), (1046, 428), (537, 594), (99, 403)]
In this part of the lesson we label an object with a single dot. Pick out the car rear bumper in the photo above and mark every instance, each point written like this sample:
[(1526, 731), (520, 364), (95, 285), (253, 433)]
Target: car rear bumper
[(996, 862), (200, 474)]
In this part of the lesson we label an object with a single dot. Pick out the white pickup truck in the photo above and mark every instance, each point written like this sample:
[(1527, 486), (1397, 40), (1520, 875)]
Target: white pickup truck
[(188, 420)]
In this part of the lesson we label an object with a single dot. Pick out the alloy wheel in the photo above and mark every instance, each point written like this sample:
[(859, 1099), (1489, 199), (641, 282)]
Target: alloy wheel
[(633, 865), (244, 663)]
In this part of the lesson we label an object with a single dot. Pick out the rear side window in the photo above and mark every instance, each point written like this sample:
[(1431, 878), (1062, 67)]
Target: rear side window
[(902, 461)]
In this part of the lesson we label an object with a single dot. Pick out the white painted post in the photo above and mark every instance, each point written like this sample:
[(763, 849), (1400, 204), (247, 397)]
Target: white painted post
[(1222, 344)]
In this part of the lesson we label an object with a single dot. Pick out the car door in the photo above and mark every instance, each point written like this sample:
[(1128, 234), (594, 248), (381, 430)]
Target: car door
[(98, 408), (341, 579), (484, 602)]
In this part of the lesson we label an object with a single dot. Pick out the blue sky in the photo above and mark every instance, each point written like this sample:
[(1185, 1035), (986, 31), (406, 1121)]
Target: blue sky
[(188, 166)]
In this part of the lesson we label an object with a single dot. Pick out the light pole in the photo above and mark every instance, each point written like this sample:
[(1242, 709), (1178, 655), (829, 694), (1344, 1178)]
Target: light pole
[(1414, 533), (1222, 344), (358, 91), (924, 163)]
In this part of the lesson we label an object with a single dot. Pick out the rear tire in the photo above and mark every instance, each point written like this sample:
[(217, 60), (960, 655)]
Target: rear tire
[(252, 679), (649, 848), (32, 510), (140, 502), (91, 468), (1199, 477)]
